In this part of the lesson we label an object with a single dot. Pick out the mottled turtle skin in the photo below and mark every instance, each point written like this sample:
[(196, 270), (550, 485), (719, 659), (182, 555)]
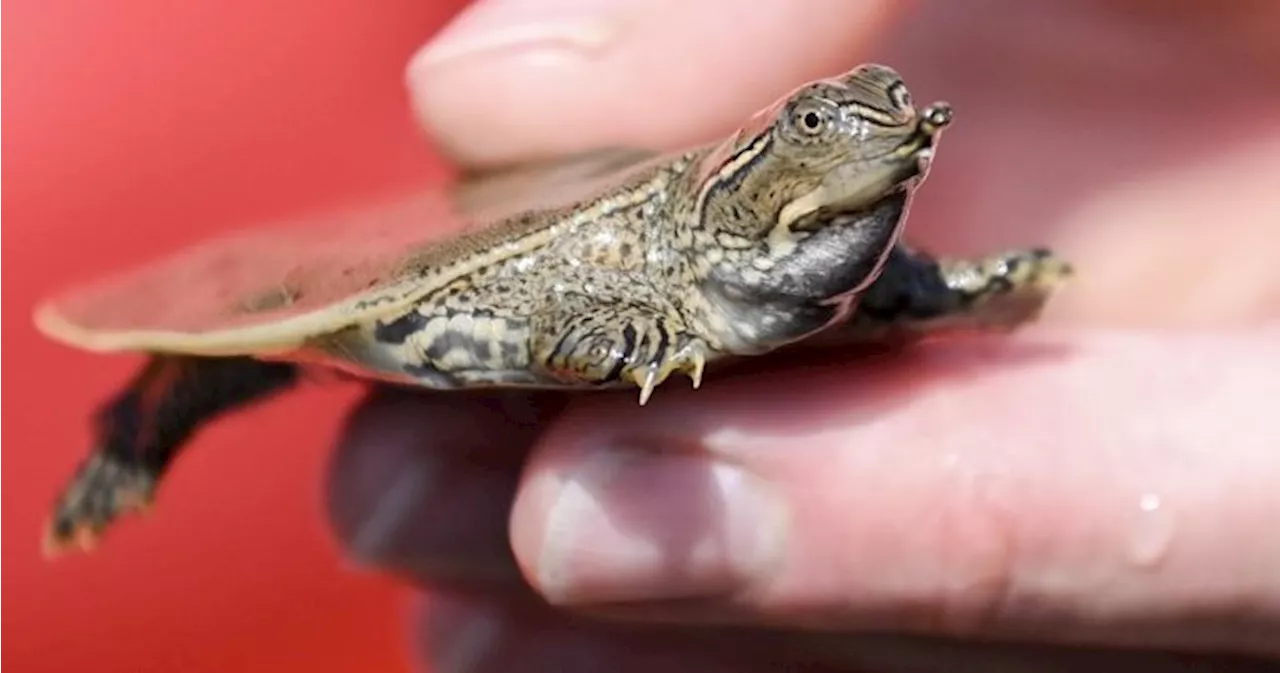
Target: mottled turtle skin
[(785, 230)]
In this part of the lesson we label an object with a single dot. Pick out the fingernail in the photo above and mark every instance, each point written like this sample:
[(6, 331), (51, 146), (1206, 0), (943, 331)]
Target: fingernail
[(377, 527), (568, 25), (635, 525), (380, 476), (423, 487), (461, 636)]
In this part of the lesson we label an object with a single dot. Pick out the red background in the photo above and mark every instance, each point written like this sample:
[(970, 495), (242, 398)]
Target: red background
[(132, 128)]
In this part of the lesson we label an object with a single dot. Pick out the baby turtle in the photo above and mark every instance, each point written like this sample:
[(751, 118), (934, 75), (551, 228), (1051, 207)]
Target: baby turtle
[(615, 269)]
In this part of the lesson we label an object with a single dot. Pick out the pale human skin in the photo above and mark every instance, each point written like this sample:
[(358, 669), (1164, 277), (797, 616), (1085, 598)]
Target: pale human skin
[(1109, 479)]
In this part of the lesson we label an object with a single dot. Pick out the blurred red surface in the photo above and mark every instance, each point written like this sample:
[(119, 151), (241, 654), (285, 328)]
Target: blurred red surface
[(133, 128)]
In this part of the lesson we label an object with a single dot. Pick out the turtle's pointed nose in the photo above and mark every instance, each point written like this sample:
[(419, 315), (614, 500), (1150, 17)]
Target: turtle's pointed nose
[(935, 118)]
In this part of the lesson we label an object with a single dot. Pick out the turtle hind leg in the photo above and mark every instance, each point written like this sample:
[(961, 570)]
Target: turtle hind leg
[(142, 430), (917, 295)]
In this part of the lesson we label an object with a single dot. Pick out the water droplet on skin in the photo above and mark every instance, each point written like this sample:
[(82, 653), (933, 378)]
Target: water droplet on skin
[(1151, 536)]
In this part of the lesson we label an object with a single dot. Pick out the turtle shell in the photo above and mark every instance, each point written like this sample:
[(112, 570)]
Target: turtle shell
[(268, 290)]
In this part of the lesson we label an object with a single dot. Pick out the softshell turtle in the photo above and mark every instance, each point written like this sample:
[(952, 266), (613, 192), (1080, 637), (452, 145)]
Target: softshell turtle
[(615, 269)]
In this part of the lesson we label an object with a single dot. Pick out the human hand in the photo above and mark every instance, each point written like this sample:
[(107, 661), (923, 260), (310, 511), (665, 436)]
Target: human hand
[(1108, 480)]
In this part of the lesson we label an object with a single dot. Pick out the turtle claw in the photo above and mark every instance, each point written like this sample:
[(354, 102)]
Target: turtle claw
[(690, 360), (647, 379), (56, 543), (696, 359)]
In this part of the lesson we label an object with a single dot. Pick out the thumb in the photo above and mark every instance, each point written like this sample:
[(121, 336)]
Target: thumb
[(514, 80)]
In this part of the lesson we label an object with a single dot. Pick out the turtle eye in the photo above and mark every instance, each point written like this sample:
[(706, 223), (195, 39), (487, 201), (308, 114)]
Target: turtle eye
[(811, 119)]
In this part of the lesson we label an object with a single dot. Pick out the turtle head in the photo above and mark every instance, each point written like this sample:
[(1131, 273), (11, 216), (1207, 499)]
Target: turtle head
[(804, 203), (832, 146), (848, 143)]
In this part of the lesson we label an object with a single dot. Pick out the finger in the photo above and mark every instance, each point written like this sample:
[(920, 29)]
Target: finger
[(520, 79), (474, 633), (1110, 488), (423, 484)]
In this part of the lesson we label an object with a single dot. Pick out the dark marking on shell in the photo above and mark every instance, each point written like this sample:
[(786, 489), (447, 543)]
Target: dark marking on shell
[(399, 330), (430, 375), (510, 351), (453, 340)]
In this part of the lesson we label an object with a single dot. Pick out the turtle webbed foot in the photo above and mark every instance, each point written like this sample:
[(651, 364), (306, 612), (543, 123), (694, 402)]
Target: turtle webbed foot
[(1006, 290), (105, 488), (917, 295)]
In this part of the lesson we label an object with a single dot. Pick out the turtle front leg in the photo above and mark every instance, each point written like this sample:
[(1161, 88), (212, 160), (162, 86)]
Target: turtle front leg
[(610, 338), (142, 430), (917, 295)]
